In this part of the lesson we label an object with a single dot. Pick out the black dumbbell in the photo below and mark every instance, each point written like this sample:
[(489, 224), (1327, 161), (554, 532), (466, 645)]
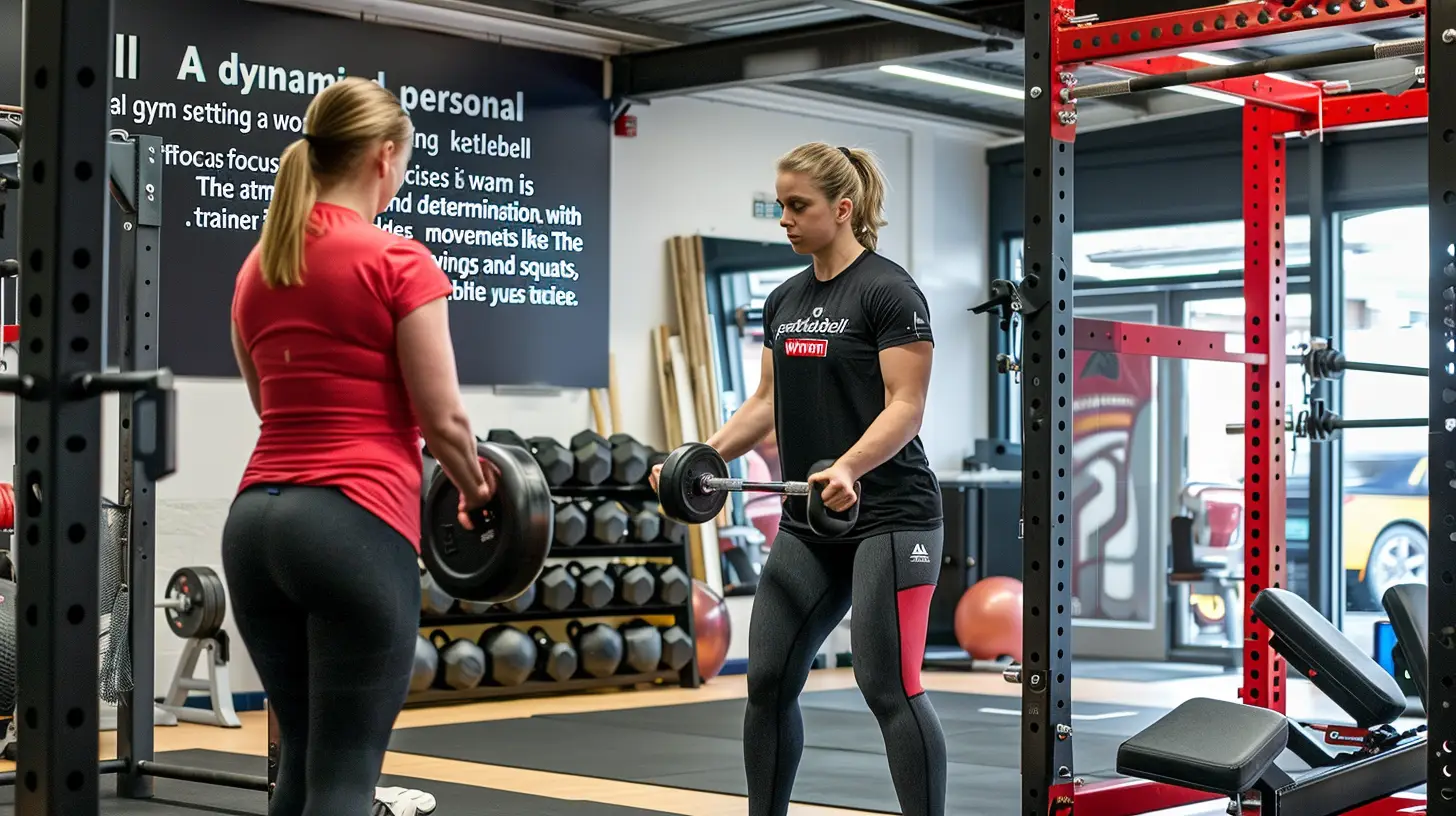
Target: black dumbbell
[(433, 600), (629, 459), (608, 522), (644, 524), (599, 648), (642, 644), (510, 655), (556, 588), (571, 523), (553, 457), (555, 660), (427, 665), (672, 531), (673, 585), (677, 648), (635, 585), (592, 455), (594, 586)]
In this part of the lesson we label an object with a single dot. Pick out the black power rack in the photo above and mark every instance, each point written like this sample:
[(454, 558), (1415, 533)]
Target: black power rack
[(676, 553)]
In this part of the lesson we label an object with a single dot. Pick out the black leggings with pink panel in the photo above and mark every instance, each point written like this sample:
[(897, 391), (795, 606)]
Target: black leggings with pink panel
[(804, 592)]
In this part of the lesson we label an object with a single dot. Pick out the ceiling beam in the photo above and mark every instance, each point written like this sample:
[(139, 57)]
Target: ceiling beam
[(913, 12), (801, 53), (989, 120)]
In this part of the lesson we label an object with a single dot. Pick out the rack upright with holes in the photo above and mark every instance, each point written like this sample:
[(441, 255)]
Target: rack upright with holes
[(1057, 42)]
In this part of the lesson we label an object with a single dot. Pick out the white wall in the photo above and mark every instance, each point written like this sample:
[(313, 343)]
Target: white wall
[(694, 168)]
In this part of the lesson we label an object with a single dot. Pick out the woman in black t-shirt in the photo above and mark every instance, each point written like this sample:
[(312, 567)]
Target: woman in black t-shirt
[(846, 367)]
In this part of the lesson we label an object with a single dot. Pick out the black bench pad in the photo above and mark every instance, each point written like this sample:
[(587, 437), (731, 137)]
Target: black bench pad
[(1407, 607), (1315, 648), (1209, 745)]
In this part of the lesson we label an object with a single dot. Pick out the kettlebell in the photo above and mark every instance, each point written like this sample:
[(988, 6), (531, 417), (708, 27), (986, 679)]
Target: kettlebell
[(598, 647), (462, 662), (554, 659)]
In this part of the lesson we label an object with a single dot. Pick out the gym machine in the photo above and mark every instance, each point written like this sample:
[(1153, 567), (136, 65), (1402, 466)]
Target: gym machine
[(73, 541), (1041, 305)]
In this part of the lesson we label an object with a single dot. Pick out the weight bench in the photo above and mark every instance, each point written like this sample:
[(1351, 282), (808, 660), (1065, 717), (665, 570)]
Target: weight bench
[(1230, 748)]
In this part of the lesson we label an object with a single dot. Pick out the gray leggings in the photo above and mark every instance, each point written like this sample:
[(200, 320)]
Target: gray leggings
[(804, 592), (326, 596)]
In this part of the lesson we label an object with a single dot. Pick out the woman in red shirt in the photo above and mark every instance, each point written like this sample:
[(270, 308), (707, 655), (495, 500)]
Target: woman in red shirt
[(341, 331)]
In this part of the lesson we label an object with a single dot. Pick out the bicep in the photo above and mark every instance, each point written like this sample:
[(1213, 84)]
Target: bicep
[(766, 376), (906, 371), (427, 361), (899, 314)]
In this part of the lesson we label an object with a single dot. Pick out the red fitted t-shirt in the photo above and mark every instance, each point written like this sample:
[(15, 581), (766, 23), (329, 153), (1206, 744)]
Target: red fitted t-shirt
[(335, 408)]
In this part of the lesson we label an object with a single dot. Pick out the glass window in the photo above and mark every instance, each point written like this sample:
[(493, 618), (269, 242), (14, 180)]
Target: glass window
[(1385, 510)]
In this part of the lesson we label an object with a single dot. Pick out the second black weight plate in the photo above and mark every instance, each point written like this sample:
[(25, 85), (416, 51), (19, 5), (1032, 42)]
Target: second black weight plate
[(679, 486)]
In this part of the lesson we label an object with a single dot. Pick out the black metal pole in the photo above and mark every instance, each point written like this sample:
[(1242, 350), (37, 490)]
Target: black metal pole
[(1362, 424), (1441, 438), (1383, 368), (1046, 402), (206, 776), (66, 96), (140, 351), (1214, 73)]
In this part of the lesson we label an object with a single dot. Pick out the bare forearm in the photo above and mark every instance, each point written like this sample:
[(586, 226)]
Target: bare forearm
[(892, 430), (452, 444), (745, 429)]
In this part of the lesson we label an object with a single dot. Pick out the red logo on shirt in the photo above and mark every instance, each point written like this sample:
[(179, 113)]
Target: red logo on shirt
[(806, 348)]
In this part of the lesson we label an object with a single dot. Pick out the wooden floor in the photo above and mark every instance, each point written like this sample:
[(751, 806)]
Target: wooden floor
[(252, 737)]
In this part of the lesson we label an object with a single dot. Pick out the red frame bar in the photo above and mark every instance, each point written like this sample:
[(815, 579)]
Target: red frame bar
[(1202, 27), (1134, 797), (1266, 286), (10, 334), (1157, 341)]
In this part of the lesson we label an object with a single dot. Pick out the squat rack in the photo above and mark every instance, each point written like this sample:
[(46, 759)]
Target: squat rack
[(1057, 42)]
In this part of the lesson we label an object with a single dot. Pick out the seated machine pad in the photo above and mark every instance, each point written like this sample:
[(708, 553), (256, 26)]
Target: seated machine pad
[(1210, 745), (1312, 645)]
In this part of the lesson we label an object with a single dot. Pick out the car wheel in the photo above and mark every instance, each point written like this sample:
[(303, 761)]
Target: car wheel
[(1399, 556)]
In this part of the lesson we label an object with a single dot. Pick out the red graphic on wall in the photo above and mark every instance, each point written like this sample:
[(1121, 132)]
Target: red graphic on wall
[(1110, 566)]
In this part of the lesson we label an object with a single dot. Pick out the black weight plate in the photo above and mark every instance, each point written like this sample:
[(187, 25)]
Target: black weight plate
[(214, 602), (505, 553), (201, 619), (679, 488)]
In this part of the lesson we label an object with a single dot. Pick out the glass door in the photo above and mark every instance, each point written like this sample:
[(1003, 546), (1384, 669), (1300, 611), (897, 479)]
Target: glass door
[(1117, 459), (1206, 616)]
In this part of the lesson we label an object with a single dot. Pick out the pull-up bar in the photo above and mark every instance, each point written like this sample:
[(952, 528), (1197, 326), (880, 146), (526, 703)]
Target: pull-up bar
[(1292, 62)]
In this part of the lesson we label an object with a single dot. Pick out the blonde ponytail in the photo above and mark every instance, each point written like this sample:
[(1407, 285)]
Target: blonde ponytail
[(868, 214), (342, 123), (841, 172), (294, 193)]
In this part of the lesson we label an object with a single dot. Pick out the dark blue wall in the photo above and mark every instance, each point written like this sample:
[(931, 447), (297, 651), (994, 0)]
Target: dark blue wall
[(224, 130)]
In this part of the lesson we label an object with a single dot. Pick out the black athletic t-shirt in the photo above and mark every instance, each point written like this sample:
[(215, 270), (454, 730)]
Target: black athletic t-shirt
[(826, 338)]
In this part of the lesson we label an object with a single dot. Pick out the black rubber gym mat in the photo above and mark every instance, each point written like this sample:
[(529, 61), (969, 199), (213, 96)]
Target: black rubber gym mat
[(699, 746), (175, 798)]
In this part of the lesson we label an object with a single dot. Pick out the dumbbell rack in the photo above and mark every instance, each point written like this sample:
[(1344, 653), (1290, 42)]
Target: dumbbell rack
[(681, 614)]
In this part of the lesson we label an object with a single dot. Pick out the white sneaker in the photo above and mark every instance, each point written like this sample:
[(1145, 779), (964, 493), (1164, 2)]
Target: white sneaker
[(402, 802)]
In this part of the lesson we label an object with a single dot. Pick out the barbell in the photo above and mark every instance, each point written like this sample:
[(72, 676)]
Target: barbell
[(694, 485)]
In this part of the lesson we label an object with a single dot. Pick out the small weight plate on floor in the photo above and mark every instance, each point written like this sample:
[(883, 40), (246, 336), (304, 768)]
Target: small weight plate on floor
[(505, 553), (678, 486), (204, 617)]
